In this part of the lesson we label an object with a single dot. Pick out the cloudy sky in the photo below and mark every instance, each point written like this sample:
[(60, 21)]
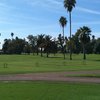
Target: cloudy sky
[(24, 17)]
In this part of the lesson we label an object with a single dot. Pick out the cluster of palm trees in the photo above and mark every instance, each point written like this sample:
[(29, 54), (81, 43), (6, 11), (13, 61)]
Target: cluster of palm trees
[(83, 31)]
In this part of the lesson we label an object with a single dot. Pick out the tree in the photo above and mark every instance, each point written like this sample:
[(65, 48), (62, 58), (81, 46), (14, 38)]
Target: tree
[(12, 34), (63, 23), (15, 46), (40, 43), (60, 42), (6, 46), (47, 44), (77, 43), (84, 38), (69, 4), (27, 48), (33, 42), (91, 45), (97, 46)]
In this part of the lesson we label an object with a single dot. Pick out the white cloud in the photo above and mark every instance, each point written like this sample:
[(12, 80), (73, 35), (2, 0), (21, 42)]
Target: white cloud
[(88, 10), (47, 4), (55, 2), (87, 23)]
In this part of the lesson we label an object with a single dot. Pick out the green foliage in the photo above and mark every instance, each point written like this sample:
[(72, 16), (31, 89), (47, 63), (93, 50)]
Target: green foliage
[(62, 21), (60, 42), (97, 46), (69, 4), (85, 34), (45, 44), (77, 48), (14, 46), (84, 38), (32, 44)]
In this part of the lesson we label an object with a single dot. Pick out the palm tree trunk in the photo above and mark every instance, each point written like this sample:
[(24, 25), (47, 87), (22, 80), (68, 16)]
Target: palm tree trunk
[(84, 54), (63, 33), (70, 36), (47, 54), (37, 51), (41, 53), (63, 43)]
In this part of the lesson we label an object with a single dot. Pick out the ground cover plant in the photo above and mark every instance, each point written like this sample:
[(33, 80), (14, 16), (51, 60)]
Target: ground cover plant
[(30, 63), (48, 91)]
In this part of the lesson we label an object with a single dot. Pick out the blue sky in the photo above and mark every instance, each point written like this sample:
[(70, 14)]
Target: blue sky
[(24, 17)]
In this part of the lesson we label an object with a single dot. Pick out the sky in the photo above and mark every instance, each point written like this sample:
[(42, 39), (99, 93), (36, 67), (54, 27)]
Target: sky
[(24, 17)]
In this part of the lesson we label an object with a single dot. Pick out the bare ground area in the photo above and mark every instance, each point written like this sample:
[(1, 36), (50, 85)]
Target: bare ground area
[(53, 76)]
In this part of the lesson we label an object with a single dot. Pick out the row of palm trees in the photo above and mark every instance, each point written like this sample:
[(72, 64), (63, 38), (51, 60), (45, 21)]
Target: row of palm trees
[(84, 32)]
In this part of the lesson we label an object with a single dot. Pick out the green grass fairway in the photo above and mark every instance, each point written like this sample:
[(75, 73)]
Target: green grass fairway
[(48, 91), (30, 63)]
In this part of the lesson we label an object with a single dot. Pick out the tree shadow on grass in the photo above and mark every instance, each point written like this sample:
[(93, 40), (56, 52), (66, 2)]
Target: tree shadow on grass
[(52, 57)]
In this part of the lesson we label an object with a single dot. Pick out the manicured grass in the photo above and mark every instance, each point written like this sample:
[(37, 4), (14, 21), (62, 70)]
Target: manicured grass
[(48, 91), (30, 63)]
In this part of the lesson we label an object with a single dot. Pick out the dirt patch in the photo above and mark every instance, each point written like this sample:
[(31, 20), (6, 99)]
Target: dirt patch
[(53, 76)]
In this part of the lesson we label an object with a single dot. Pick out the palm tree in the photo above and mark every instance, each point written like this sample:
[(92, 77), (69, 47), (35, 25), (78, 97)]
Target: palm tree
[(47, 44), (63, 23), (40, 42), (84, 38), (12, 34), (32, 41), (69, 4)]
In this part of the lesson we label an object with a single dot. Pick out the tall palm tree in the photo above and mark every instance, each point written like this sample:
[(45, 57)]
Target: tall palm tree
[(69, 5), (84, 38), (63, 23)]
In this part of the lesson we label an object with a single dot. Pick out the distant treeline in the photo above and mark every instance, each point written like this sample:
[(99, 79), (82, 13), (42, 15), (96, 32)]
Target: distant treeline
[(46, 44)]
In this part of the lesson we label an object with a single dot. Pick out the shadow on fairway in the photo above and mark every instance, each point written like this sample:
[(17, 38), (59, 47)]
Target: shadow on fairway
[(53, 57)]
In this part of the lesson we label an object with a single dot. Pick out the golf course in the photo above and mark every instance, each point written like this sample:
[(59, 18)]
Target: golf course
[(31, 77), (49, 50), (30, 63)]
